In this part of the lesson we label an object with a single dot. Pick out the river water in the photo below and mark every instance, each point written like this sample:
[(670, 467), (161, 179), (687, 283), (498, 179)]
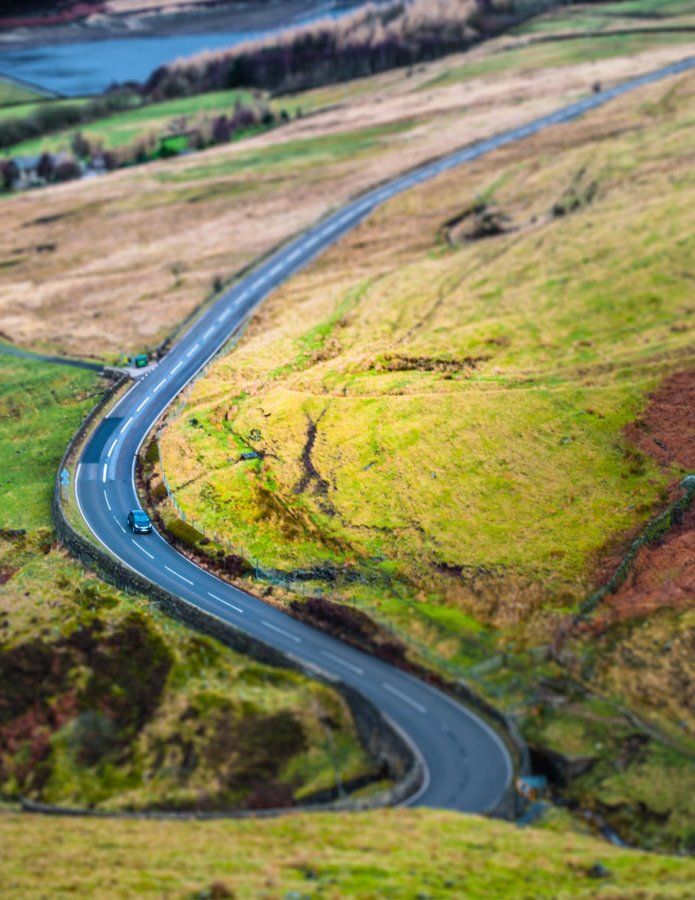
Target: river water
[(90, 66)]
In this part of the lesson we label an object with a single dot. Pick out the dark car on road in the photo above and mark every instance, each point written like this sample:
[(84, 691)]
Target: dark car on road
[(139, 522)]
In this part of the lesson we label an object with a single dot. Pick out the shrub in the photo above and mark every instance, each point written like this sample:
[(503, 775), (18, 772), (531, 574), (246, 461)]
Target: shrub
[(46, 167), (67, 170), (9, 172)]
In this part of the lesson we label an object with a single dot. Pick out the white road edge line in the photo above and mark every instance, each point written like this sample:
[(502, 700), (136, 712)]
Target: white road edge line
[(305, 664), (406, 699), (292, 637), (179, 575), (146, 552), (343, 662), (226, 602)]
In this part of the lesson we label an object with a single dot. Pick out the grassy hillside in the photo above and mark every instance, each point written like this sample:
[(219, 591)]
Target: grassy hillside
[(439, 406), (395, 854), (108, 703)]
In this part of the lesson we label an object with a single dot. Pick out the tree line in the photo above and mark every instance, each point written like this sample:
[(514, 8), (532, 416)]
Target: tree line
[(371, 40)]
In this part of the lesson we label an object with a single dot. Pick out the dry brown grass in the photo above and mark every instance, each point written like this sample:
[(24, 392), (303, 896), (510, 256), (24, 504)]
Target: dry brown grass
[(135, 252)]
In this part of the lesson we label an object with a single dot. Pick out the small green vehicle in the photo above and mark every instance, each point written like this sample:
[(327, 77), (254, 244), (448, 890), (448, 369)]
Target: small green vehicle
[(140, 361)]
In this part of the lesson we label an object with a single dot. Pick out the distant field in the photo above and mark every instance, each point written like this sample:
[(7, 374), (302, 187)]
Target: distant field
[(30, 105), (116, 705), (541, 56), (126, 127), (611, 16), (111, 265), (398, 854), (11, 93)]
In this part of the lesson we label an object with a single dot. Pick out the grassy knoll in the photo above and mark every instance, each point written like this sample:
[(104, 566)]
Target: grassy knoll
[(399, 854), (108, 703), (439, 406)]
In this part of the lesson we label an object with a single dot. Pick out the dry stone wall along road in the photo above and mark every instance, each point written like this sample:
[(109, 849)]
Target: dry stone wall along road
[(467, 765)]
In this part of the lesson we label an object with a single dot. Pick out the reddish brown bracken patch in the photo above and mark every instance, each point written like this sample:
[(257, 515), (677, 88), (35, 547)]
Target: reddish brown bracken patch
[(666, 430), (663, 575)]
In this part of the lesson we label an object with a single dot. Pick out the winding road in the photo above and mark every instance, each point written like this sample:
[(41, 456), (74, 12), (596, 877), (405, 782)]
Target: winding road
[(466, 763)]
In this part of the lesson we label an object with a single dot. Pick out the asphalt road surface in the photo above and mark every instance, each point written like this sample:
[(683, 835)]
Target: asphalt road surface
[(467, 765)]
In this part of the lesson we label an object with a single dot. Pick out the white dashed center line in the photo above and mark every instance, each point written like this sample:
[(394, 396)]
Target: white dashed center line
[(140, 547), (226, 602), (192, 350), (119, 524), (159, 386), (292, 637), (125, 427), (108, 505), (208, 333), (103, 474), (144, 403), (409, 700), (343, 662), (112, 448), (177, 366), (178, 575)]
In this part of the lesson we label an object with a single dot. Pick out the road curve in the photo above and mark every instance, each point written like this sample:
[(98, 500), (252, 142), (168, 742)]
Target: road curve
[(467, 765)]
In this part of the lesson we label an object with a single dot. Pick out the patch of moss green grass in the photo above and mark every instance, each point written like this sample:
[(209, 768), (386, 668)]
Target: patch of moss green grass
[(395, 854)]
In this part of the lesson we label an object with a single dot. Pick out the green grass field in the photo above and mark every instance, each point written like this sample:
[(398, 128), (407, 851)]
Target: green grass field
[(394, 854), (132, 710), (31, 104), (126, 127), (12, 94), (40, 407), (603, 16), (536, 57)]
